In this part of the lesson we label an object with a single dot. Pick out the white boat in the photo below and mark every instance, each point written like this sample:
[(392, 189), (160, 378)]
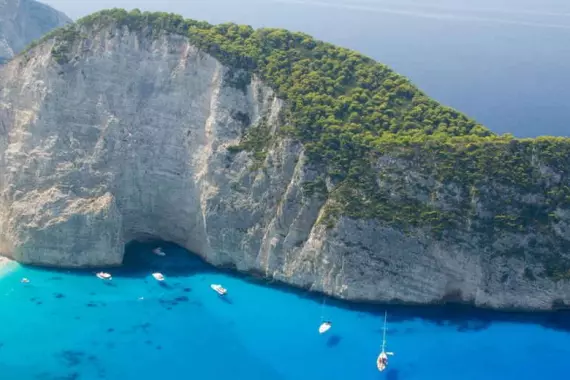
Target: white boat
[(382, 360), (158, 251), (158, 276), (24, 280), (104, 276), (324, 327), (219, 289)]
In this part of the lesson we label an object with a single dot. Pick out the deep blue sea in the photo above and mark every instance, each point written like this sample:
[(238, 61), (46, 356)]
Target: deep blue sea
[(72, 326)]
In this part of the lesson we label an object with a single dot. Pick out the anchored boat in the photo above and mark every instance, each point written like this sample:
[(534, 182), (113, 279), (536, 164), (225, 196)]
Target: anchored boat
[(324, 327), (158, 276), (219, 289), (104, 276), (382, 360)]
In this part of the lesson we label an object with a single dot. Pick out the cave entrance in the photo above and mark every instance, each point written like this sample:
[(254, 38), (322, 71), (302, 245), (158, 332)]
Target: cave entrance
[(139, 259)]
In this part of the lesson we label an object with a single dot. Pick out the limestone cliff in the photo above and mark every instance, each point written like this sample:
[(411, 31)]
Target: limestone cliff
[(22, 21), (112, 136)]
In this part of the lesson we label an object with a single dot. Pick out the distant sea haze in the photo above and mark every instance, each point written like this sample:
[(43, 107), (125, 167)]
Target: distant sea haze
[(437, 12), (505, 63)]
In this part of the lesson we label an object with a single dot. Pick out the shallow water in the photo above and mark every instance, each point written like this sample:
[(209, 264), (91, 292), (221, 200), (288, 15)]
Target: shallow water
[(71, 325)]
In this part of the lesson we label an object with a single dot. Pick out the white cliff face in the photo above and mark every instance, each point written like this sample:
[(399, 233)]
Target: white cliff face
[(22, 21), (128, 140)]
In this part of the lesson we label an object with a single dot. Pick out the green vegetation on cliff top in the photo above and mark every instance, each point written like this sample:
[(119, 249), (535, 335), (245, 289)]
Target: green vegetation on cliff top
[(350, 111)]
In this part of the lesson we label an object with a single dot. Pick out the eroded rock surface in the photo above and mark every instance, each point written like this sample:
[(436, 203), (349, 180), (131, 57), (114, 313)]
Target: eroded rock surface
[(128, 139)]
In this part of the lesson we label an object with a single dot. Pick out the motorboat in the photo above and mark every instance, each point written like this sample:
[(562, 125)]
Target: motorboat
[(24, 280), (158, 251), (104, 276), (324, 327), (158, 276), (219, 289)]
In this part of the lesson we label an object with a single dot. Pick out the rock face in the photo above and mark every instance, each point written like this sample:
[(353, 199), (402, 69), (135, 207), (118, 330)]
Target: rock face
[(129, 138), (22, 21)]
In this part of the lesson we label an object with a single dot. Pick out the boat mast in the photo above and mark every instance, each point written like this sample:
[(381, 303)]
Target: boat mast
[(384, 333)]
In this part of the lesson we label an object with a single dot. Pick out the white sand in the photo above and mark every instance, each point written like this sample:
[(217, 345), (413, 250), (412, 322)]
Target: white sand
[(6, 265)]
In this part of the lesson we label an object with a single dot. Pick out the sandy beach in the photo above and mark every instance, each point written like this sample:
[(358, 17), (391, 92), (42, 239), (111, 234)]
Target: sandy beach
[(5, 264)]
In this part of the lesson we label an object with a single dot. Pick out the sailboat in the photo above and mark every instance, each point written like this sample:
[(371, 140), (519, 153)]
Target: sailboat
[(325, 325), (382, 360)]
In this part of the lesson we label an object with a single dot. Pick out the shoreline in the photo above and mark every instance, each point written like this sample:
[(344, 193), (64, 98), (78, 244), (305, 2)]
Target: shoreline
[(462, 315), (6, 265), (260, 279)]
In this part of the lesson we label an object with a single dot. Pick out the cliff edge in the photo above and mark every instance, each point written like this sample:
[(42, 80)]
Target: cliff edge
[(273, 153)]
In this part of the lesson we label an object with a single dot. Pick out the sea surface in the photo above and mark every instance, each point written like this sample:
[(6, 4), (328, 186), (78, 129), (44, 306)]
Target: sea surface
[(72, 326)]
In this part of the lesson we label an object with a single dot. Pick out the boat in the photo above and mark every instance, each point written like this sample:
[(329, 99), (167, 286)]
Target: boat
[(324, 327), (158, 276), (24, 280), (382, 360), (325, 324), (219, 289), (104, 276), (158, 251)]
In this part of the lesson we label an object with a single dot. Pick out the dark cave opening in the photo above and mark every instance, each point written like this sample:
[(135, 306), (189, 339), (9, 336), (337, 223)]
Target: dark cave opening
[(140, 260)]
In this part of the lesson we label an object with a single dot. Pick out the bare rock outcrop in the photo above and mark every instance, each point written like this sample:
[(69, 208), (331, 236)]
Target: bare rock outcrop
[(130, 138)]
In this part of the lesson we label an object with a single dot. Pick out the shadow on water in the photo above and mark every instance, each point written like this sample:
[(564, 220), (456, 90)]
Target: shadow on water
[(226, 299), (392, 374), (139, 261), (165, 285), (333, 340), (462, 317)]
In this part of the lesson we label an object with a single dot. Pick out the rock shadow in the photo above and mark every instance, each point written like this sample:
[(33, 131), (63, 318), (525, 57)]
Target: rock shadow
[(140, 261)]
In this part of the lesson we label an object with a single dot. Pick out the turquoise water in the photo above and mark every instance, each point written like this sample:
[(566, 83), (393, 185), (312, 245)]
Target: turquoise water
[(71, 325)]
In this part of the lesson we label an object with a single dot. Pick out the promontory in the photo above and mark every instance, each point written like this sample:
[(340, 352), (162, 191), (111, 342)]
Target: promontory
[(276, 154)]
